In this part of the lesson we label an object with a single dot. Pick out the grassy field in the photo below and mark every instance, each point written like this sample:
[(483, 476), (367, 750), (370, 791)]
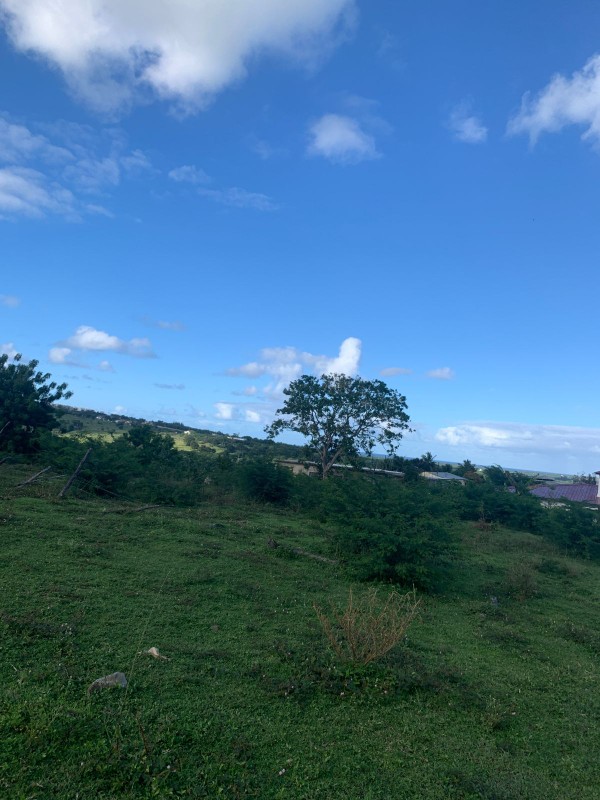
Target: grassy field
[(180, 440), (482, 700)]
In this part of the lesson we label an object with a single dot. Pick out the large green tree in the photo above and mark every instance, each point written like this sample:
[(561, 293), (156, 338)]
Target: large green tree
[(26, 398), (342, 417)]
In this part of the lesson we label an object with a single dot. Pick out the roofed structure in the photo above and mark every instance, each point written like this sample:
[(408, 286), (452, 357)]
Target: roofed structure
[(588, 493)]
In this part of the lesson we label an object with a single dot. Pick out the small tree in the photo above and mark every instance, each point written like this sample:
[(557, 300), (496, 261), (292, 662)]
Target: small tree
[(342, 417), (26, 399)]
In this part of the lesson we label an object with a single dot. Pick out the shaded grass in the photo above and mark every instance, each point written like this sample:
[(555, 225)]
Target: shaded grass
[(483, 700)]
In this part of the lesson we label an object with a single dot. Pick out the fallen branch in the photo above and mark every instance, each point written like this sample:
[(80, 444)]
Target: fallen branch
[(68, 484), (33, 478), (300, 552)]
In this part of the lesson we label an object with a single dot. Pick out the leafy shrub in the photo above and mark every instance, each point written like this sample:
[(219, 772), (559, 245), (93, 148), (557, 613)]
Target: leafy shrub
[(401, 550), (266, 482)]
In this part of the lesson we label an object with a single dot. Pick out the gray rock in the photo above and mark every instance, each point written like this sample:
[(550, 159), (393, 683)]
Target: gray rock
[(108, 682)]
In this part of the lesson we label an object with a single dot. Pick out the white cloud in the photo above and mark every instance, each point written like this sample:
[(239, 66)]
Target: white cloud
[(559, 445), (27, 192), (465, 126), (61, 355), (252, 416), (112, 51), (441, 374), (390, 372), (341, 139), (106, 366), (9, 300), (178, 386), (189, 174), (285, 364), (224, 410), (563, 102), (251, 370), (120, 410), (8, 349), (90, 339), (346, 362)]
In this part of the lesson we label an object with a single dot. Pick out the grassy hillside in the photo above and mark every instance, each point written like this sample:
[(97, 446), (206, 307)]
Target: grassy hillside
[(96, 425), (494, 700)]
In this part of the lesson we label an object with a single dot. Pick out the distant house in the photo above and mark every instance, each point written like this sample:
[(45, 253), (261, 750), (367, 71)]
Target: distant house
[(312, 468), (299, 467), (443, 476), (588, 493)]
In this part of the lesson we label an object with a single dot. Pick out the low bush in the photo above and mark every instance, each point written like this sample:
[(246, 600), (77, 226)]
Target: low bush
[(367, 629)]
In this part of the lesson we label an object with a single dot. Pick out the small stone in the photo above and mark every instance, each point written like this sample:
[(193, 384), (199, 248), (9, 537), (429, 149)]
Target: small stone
[(215, 628), (272, 543), (108, 682), (153, 651)]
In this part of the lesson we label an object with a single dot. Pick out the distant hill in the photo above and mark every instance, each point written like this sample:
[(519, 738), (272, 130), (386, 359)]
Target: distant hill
[(80, 422)]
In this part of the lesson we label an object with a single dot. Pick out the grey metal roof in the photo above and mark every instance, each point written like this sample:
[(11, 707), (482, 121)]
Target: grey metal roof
[(576, 492)]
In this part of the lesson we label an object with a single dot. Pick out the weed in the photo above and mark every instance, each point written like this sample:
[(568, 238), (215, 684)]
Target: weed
[(366, 630), (520, 582)]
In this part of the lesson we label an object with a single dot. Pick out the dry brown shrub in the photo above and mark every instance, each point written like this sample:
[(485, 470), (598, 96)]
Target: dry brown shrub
[(367, 629)]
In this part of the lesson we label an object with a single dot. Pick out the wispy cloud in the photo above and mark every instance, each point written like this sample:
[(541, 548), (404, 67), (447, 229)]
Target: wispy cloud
[(27, 192), (113, 51), (56, 172), (8, 349), (441, 374), (189, 174), (466, 126), (389, 51), (163, 324), (390, 372), (234, 196), (178, 386), (559, 445), (563, 102), (9, 300), (341, 139)]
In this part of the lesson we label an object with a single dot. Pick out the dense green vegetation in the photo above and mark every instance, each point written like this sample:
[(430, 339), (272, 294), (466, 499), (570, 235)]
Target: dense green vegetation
[(219, 558), (487, 698)]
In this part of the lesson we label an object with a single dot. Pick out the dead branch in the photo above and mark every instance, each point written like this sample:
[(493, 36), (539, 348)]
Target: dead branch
[(68, 484), (33, 478)]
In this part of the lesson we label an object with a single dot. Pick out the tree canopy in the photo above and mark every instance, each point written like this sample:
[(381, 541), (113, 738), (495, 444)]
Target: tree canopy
[(26, 398), (342, 417)]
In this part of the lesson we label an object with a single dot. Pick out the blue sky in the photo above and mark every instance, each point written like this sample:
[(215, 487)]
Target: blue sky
[(201, 201)]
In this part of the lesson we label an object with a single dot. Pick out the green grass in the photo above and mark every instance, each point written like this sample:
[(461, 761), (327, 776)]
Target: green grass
[(499, 703)]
